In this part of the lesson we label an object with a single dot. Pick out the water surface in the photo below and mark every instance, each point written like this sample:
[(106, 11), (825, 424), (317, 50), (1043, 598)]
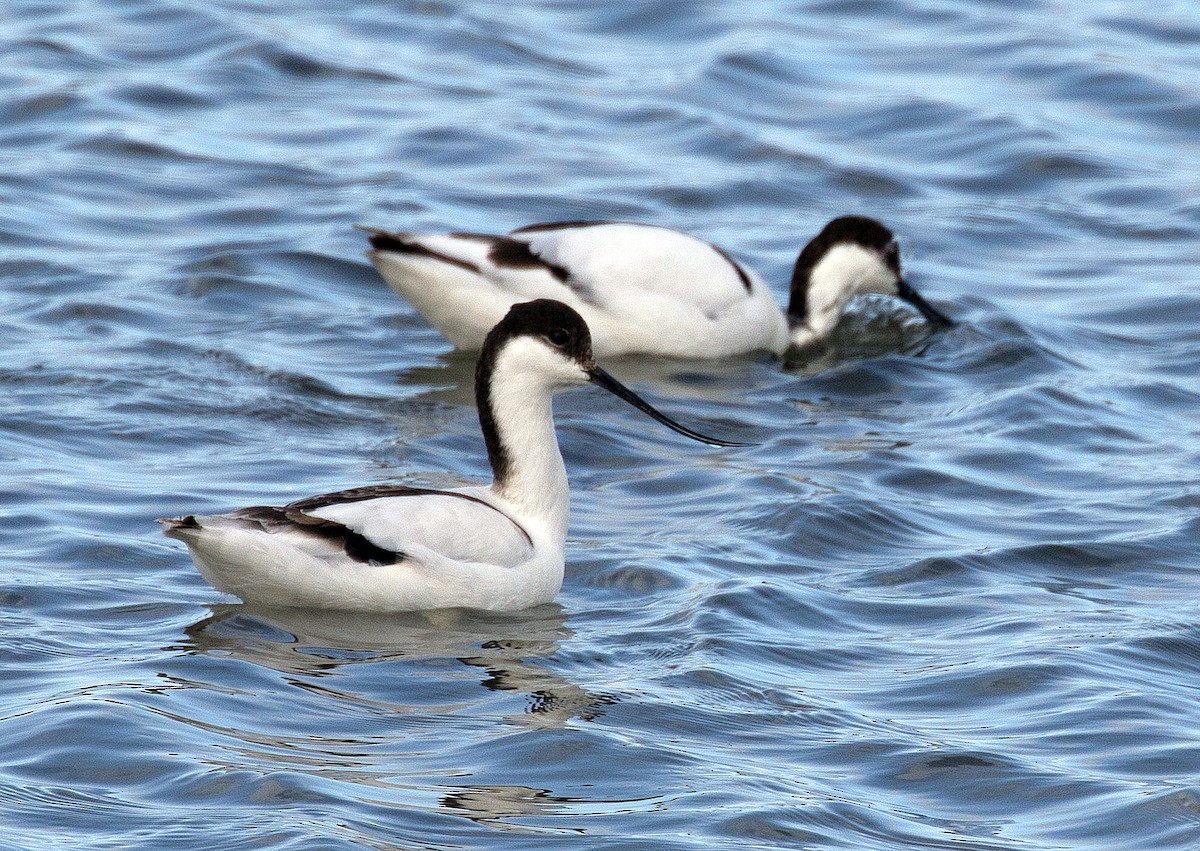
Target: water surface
[(949, 602)]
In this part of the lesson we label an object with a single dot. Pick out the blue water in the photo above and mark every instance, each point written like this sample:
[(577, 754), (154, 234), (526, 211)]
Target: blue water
[(952, 600)]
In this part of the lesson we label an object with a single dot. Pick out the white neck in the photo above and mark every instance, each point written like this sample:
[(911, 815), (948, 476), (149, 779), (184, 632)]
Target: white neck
[(534, 477), (845, 271)]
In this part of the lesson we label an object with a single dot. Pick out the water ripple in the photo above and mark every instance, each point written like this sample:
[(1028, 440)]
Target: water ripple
[(947, 601)]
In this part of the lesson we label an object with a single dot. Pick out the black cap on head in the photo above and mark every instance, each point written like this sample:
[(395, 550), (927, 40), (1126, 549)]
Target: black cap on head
[(863, 230), (561, 326)]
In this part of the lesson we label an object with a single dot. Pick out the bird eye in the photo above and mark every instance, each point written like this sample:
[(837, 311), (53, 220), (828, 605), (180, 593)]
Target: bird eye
[(891, 255), (559, 336)]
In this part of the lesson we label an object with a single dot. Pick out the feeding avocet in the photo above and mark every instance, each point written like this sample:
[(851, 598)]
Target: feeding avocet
[(393, 547), (642, 289)]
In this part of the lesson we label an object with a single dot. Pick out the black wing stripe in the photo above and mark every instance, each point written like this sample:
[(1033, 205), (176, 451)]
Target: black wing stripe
[(382, 491), (737, 267), (544, 226), (390, 242), (515, 254), (357, 546)]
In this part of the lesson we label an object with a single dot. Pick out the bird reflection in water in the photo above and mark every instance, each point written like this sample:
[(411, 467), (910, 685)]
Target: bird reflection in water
[(308, 644)]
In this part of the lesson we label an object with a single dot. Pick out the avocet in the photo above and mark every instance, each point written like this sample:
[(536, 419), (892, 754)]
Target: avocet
[(394, 547), (642, 289)]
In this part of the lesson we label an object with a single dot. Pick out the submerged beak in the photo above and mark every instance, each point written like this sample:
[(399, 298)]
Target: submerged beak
[(599, 377), (905, 291)]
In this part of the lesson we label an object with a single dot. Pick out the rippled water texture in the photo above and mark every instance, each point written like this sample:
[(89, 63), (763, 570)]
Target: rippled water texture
[(950, 602)]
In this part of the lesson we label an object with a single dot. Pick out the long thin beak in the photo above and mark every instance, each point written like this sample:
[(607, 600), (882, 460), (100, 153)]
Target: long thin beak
[(603, 379), (905, 291)]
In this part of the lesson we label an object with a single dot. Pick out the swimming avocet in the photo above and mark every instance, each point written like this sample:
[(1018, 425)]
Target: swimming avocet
[(642, 289), (393, 547)]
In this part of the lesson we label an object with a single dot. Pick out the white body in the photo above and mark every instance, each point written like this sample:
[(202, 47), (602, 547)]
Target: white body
[(456, 553), (641, 289)]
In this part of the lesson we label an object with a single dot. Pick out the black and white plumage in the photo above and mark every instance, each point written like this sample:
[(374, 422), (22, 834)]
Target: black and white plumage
[(395, 548), (642, 289)]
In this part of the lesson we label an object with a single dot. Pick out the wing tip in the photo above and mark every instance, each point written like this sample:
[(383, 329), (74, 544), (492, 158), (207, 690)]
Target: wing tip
[(178, 527)]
